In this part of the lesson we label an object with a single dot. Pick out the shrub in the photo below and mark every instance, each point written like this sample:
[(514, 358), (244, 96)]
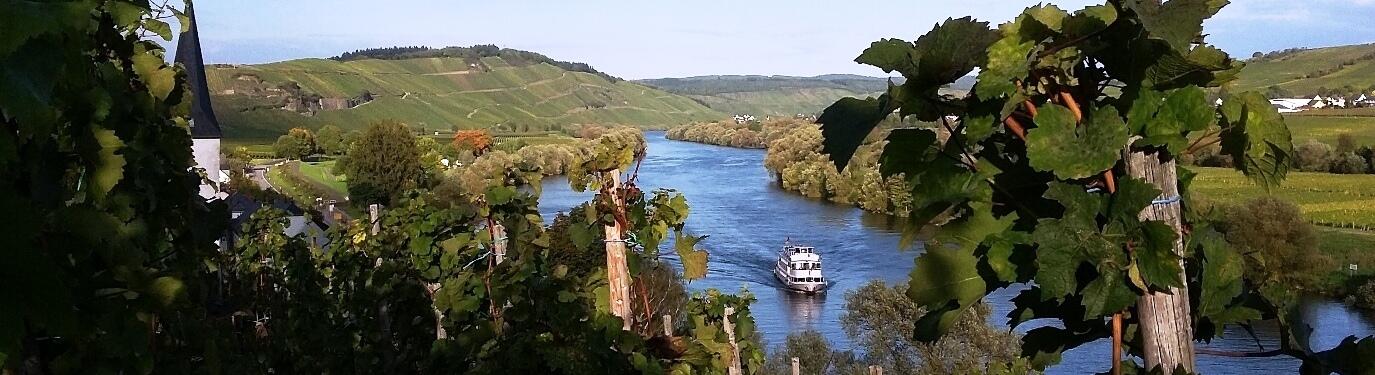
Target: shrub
[(1313, 156), (1349, 163), (1279, 245)]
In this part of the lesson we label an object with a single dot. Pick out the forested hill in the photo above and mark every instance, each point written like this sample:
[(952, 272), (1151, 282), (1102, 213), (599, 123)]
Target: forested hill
[(1341, 70), (509, 92), (776, 95)]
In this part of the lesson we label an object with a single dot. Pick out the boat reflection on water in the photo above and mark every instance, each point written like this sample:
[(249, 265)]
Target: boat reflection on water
[(804, 312)]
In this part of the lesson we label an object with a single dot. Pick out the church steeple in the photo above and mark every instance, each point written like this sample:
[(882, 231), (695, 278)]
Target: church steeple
[(203, 122)]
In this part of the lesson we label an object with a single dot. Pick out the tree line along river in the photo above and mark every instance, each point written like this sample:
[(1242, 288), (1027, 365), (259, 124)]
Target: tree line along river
[(738, 203)]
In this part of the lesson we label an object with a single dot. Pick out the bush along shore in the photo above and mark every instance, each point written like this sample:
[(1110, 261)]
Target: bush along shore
[(795, 159)]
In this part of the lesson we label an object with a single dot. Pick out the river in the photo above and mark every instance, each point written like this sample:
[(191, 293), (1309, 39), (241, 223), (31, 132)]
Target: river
[(748, 216)]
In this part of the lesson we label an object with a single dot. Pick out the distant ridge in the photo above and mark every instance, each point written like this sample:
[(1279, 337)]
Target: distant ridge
[(779, 95), (1340, 70)]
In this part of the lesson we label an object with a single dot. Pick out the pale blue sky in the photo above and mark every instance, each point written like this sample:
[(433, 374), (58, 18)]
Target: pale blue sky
[(651, 39)]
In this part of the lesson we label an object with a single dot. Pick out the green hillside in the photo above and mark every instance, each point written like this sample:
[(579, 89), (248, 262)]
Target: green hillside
[(440, 93), (777, 95), (1303, 72)]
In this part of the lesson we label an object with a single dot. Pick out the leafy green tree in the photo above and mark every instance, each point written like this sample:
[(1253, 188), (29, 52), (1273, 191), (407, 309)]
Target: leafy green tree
[(288, 147), (880, 320), (1043, 180), (330, 140), (298, 143), (1313, 156), (383, 164), (1280, 247), (105, 235), (815, 356)]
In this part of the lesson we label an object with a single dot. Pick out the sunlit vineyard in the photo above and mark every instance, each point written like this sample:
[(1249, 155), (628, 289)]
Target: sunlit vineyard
[(1326, 199)]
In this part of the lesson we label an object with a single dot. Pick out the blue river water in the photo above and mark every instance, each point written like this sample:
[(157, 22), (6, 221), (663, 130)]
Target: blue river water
[(737, 202)]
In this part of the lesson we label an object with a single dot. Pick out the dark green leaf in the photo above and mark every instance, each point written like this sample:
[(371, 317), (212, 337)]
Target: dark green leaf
[(1057, 145), (1155, 257), (1107, 294), (1255, 136), (845, 124), (890, 55)]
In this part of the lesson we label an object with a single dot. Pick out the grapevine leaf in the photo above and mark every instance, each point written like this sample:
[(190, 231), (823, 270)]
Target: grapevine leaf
[(109, 167), (890, 55), (155, 73), (1050, 16), (1143, 109), (1183, 110), (845, 124), (973, 227), (1255, 136), (1001, 253), (946, 281), (1189, 107), (950, 51), (1071, 152), (1176, 22), (162, 29), (1106, 294), (694, 261), (1133, 195), (167, 290), (27, 19), (499, 195), (1223, 269), (1090, 20), (1348, 357), (1070, 241), (1007, 61), (1155, 257), (906, 150), (935, 322)]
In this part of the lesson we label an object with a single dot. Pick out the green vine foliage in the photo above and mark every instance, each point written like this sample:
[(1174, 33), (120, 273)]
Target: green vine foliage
[(1017, 179), (364, 301), (111, 265), (105, 235)]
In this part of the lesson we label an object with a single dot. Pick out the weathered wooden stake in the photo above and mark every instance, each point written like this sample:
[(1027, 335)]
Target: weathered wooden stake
[(668, 325), (734, 348), (499, 242), (374, 215), (617, 275), (1166, 327), (797, 366)]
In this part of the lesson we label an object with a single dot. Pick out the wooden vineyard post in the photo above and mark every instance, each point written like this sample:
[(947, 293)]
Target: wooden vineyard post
[(797, 366), (499, 242), (734, 348), (875, 370), (1166, 327), (617, 275), (374, 215), (668, 325)]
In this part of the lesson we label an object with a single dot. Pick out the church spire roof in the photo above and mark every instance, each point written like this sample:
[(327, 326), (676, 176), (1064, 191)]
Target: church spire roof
[(203, 122)]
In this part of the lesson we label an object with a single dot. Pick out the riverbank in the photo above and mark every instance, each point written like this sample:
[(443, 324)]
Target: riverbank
[(1335, 204), (748, 216)]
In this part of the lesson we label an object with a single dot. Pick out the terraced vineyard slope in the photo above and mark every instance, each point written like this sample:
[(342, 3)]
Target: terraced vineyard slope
[(763, 96), (1303, 72), (261, 102)]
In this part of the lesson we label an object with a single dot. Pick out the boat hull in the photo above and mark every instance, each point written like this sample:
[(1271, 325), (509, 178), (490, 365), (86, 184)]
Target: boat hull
[(806, 288)]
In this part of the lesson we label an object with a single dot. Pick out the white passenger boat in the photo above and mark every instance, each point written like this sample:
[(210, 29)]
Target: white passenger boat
[(799, 269)]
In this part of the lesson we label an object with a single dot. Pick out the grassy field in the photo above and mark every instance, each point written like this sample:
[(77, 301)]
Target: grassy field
[(1326, 127), (439, 93), (321, 172), (1289, 72), (1327, 199)]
